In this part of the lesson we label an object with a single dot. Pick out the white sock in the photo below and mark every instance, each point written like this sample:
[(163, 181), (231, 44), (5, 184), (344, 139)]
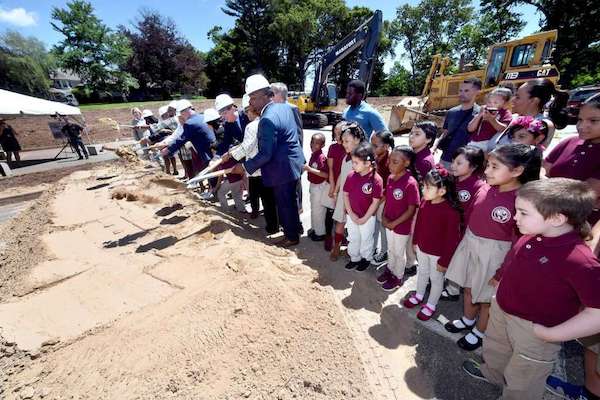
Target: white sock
[(474, 336), (478, 332), (419, 298), (460, 324), (426, 310)]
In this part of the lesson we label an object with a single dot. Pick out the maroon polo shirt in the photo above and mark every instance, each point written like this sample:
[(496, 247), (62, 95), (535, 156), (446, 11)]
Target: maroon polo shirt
[(491, 214), (382, 167), (424, 162), (362, 190), (548, 280), (487, 131), (318, 161), (466, 191), (437, 230), (399, 194), (232, 178), (576, 159), (337, 153)]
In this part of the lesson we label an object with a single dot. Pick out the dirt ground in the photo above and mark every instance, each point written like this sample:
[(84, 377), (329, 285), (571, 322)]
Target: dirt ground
[(156, 296)]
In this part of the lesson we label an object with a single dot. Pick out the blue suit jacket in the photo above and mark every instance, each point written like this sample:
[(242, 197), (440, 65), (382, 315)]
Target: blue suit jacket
[(200, 134), (280, 156)]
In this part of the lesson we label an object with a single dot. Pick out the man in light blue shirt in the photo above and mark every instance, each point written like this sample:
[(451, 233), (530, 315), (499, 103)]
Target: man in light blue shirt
[(360, 111)]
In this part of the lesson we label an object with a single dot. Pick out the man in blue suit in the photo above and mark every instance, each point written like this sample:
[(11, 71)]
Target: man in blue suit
[(279, 156), (196, 129)]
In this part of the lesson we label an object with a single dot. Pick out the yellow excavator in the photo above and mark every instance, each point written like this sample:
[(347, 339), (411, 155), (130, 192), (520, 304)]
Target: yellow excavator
[(508, 64)]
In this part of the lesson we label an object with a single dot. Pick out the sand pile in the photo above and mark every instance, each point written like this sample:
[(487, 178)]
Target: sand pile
[(131, 195), (130, 306), (126, 153)]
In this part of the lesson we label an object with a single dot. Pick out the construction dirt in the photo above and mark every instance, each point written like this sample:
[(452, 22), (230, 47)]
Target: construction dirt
[(111, 299)]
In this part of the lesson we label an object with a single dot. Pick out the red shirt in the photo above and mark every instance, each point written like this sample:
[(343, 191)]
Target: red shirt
[(232, 178), (548, 280), (424, 162), (466, 191), (487, 131), (576, 159), (362, 190), (382, 167), (318, 161), (444, 238), (399, 194), (337, 153), (492, 212)]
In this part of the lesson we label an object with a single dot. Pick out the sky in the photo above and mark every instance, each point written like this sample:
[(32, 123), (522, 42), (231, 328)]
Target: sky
[(194, 18)]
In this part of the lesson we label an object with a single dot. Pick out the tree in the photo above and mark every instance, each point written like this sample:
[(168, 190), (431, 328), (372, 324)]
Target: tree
[(91, 49), (161, 58), (398, 82), (576, 50), (25, 65)]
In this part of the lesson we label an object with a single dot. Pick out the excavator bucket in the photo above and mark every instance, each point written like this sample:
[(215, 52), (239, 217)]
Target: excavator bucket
[(406, 113)]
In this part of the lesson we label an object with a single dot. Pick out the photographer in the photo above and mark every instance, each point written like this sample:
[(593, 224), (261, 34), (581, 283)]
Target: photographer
[(494, 117)]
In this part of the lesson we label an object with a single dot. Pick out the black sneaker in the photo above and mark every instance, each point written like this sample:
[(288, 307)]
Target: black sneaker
[(473, 368), (380, 258), (411, 271), (317, 238), (363, 265), (352, 265)]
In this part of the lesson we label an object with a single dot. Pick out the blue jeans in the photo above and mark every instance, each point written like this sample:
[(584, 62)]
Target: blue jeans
[(287, 209)]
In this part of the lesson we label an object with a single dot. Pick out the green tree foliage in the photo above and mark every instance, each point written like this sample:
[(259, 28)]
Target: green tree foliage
[(161, 59), (398, 82), (577, 53), (91, 49), (25, 65)]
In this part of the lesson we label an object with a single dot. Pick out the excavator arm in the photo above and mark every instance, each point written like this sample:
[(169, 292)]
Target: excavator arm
[(365, 36)]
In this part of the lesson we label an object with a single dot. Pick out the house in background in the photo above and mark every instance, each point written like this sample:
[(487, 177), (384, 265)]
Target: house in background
[(63, 83)]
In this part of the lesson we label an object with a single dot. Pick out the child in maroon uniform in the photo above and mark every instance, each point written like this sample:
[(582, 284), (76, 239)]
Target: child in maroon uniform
[(435, 247), (421, 139), (362, 191), (548, 289), (489, 236), (579, 157), (528, 130), (335, 159), (401, 202), (230, 183), (494, 117), (318, 176), (382, 143), (467, 167)]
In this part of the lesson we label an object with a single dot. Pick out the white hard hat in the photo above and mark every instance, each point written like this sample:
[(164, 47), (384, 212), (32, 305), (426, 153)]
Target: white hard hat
[(162, 110), (256, 82), (245, 101), (172, 104), (182, 105), (222, 101), (147, 113), (210, 114)]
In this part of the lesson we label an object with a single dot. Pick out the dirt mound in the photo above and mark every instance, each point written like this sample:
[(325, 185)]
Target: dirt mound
[(127, 154), (132, 195), (169, 183), (198, 307)]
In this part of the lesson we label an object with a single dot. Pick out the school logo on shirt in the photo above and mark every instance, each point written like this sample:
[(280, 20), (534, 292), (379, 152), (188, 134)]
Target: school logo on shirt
[(398, 194), (367, 188), (464, 195), (501, 214), (314, 165)]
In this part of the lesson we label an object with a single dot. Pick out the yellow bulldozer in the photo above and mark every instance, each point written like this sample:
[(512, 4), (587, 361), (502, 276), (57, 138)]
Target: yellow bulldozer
[(508, 64)]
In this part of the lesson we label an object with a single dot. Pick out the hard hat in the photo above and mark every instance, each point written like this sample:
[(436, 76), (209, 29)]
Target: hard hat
[(256, 82), (210, 114), (182, 105), (147, 113), (162, 110), (222, 101), (172, 104), (245, 101)]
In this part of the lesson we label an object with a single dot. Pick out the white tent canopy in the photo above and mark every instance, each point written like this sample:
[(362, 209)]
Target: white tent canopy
[(18, 104)]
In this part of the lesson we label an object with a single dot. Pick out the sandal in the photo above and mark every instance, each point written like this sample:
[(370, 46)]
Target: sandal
[(452, 328), (423, 316), (407, 303)]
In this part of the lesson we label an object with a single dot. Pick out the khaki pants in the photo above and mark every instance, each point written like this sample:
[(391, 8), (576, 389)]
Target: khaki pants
[(397, 252), (515, 358)]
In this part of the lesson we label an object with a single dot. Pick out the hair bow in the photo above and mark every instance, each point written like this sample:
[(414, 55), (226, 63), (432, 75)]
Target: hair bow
[(443, 172)]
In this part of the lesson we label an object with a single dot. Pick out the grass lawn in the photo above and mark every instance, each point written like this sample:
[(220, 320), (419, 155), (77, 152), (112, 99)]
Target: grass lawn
[(140, 104)]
